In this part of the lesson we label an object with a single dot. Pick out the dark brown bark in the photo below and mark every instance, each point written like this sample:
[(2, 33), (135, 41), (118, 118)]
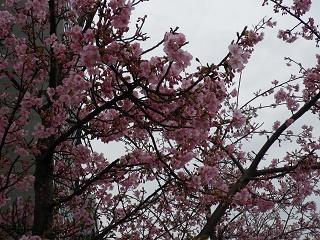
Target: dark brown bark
[(44, 164), (43, 187)]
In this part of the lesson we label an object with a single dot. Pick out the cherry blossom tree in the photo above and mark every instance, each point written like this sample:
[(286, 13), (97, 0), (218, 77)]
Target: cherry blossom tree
[(74, 71)]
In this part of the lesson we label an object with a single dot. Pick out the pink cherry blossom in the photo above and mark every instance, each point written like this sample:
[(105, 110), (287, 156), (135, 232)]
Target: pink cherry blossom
[(238, 118), (122, 12), (38, 7), (90, 55), (172, 47), (280, 96), (301, 6), (199, 153), (238, 58), (6, 21), (276, 125)]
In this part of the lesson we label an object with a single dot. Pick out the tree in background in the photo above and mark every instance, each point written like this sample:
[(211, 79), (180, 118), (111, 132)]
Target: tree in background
[(185, 173)]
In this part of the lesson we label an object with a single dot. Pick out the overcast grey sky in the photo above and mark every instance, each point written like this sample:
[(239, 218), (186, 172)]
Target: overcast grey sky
[(210, 26)]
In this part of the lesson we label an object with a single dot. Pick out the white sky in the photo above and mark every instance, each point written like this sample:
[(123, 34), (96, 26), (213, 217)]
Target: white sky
[(210, 26)]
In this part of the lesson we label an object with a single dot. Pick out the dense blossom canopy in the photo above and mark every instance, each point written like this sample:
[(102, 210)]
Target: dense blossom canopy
[(72, 73)]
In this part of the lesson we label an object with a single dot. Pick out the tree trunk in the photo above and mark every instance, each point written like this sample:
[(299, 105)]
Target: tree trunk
[(43, 187)]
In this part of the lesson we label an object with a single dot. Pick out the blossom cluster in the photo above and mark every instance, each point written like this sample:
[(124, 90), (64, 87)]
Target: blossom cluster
[(122, 12), (301, 7), (172, 47), (6, 21), (239, 57)]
